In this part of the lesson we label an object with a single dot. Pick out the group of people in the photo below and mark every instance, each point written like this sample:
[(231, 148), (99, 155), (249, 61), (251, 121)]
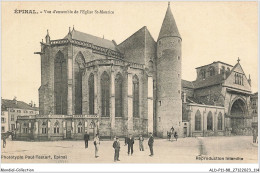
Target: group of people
[(130, 142), (172, 134), (116, 144), (96, 143)]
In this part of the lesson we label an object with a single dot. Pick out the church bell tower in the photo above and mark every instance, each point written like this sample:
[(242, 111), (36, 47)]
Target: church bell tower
[(168, 77)]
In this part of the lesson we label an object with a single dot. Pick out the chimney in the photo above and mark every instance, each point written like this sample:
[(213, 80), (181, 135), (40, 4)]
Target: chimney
[(34, 105), (31, 103), (15, 100), (249, 80)]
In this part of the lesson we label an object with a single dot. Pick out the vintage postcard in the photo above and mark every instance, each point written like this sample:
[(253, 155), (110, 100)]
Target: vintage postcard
[(129, 82)]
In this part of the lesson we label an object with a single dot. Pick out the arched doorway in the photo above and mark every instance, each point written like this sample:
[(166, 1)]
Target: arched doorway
[(238, 114)]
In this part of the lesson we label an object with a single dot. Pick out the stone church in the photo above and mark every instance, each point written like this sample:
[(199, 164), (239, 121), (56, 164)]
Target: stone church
[(90, 84)]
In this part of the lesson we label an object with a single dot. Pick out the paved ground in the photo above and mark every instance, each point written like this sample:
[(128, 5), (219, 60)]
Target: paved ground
[(185, 150)]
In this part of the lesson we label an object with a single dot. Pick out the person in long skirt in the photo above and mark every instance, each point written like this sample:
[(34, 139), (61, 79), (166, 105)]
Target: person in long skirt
[(96, 143)]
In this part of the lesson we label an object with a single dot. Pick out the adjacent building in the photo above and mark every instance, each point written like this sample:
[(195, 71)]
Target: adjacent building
[(254, 110), (218, 101), (11, 109)]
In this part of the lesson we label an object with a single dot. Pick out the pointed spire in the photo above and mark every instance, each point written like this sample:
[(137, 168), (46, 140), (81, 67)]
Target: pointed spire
[(47, 37), (169, 27), (69, 30), (249, 80)]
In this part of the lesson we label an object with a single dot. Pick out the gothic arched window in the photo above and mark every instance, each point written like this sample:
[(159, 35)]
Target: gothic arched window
[(209, 121), (79, 66), (91, 94), (118, 95), (198, 121), (60, 84), (135, 96), (220, 121), (105, 94), (56, 127)]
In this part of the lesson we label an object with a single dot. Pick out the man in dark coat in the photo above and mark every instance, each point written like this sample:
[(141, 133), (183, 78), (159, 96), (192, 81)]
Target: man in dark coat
[(150, 144), (86, 138), (116, 146), (130, 143)]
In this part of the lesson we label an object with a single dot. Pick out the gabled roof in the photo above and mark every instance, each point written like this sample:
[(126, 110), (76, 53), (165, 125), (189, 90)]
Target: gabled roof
[(186, 84), (138, 47), (77, 35), (20, 105), (209, 81), (169, 27)]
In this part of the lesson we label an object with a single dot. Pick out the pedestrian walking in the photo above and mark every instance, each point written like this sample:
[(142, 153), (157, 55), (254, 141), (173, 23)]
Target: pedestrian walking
[(172, 133), (96, 144), (176, 136), (126, 139), (130, 143), (141, 140), (4, 141), (150, 144), (116, 146), (254, 136), (86, 138)]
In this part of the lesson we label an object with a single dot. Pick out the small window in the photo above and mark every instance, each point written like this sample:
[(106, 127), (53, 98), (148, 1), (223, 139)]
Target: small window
[(179, 58), (3, 129), (12, 117), (56, 127), (44, 130), (179, 75), (19, 111), (3, 120), (179, 91), (80, 127), (160, 103), (12, 127), (25, 130)]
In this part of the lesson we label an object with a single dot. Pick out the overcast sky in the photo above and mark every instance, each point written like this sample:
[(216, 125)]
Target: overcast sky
[(211, 31)]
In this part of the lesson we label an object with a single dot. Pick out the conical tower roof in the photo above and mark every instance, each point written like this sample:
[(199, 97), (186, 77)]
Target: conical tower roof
[(169, 27)]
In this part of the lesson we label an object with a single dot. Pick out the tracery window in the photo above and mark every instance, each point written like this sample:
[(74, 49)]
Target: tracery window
[(91, 94), (135, 96), (118, 95), (60, 84), (105, 94)]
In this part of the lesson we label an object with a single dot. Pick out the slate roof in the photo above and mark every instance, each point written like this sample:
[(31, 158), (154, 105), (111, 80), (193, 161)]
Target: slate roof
[(169, 27), (209, 81), (20, 105), (77, 35)]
